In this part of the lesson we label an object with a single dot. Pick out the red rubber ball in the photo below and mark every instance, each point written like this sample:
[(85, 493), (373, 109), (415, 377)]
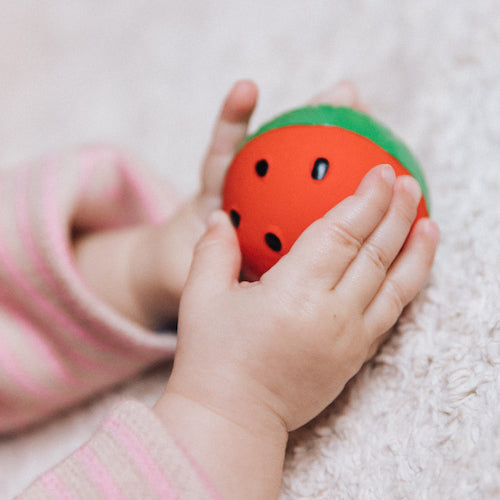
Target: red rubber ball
[(296, 168)]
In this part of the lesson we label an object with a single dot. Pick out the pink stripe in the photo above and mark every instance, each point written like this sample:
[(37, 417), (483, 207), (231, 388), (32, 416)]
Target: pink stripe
[(47, 308), (99, 153), (10, 418), (11, 423), (59, 248), (123, 350), (44, 306), (20, 377), (55, 486), (130, 442), (23, 219), (100, 477), (47, 355), (206, 481)]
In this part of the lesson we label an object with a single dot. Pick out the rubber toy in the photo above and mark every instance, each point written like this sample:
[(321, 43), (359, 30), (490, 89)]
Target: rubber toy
[(297, 167)]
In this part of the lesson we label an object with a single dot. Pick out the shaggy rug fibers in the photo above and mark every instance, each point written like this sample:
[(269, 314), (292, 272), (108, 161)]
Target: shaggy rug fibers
[(420, 421)]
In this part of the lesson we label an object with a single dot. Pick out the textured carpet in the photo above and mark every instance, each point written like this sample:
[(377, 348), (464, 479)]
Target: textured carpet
[(422, 420)]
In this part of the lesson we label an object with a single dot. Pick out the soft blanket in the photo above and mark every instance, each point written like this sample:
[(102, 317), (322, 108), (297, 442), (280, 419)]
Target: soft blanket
[(422, 419)]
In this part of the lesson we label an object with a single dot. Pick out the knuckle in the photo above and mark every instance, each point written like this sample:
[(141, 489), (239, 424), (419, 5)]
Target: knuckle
[(377, 256), (340, 235), (396, 298)]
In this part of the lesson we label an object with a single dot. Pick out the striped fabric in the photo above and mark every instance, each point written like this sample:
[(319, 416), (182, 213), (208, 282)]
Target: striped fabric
[(131, 456), (60, 344)]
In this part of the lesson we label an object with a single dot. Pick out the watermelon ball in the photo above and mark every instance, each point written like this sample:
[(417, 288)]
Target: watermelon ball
[(298, 166)]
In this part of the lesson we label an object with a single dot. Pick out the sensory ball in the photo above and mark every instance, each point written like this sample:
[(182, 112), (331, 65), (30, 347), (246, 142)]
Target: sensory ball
[(297, 167)]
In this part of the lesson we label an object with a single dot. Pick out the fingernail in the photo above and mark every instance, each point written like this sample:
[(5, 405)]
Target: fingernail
[(216, 217), (388, 174)]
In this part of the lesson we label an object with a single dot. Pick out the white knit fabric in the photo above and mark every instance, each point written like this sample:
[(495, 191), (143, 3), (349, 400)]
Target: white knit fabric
[(422, 420)]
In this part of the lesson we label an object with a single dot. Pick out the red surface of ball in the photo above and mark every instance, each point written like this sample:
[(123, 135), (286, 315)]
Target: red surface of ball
[(285, 178)]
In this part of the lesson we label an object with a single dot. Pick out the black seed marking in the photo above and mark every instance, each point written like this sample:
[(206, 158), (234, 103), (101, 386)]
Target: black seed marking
[(235, 218), (261, 168), (273, 242), (320, 169)]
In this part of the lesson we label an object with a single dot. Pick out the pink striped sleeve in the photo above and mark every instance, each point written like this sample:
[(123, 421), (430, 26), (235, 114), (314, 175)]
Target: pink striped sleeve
[(59, 344), (97, 474), (131, 456)]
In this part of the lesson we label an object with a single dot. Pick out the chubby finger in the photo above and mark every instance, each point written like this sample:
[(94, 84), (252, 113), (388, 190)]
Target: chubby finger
[(362, 280), (230, 129), (217, 258), (324, 251), (405, 278)]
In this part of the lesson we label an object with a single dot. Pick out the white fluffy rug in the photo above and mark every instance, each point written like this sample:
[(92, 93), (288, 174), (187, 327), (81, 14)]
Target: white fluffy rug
[(422, 420)]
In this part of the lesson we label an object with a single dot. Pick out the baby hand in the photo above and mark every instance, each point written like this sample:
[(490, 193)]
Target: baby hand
[(279, 350)]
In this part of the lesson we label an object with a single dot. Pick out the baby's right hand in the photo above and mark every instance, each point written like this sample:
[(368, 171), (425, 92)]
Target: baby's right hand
[(279, 350)]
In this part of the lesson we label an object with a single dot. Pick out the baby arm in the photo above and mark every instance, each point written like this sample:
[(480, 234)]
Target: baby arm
[(257, 360)]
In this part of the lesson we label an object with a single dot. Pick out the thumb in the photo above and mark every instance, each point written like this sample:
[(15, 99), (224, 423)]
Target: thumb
[(230, 129), (217, 257)]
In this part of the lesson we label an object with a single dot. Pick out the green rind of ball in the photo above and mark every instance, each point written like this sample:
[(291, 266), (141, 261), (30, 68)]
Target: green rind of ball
[(355, 121)]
